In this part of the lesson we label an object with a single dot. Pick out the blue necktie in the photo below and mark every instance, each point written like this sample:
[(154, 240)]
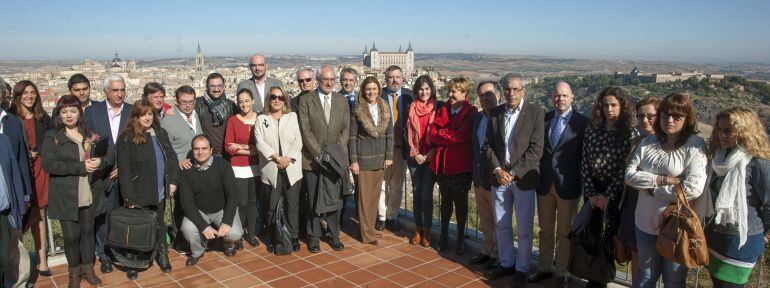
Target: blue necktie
[(556, 131)]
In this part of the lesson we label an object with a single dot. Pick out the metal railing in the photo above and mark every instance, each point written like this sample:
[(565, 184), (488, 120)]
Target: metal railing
[(697, 278)]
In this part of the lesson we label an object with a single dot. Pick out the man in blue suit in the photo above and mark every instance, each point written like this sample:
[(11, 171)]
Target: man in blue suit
[(559, 191), (108, 119), (398, 100)]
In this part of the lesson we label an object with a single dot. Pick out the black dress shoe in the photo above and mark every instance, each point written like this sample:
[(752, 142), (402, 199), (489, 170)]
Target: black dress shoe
[(270, 248), (239, 244), (479, 259), (592, 284), (561, 282), (131, 274), (252, 240), (491, 263), (191, 261), (519, 280), (460, 247), (539, 276), (500, 271), (314, 246), (379, 225), (336, 244), (230, 252), (443, 242), (392, 225), (105, 266), (46, 273), (295, 245)]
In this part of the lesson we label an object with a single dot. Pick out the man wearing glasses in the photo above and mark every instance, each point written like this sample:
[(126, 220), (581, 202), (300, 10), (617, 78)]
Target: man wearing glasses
[(259, 81), (183, 125), (213, 109), (324, 120)]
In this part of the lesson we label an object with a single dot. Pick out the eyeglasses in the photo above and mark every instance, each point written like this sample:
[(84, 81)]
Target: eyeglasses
[(328, 79), (649, 116), (305, 80), (184, 102), (676, 116), (277, 97), (256, 65), (216, 86)]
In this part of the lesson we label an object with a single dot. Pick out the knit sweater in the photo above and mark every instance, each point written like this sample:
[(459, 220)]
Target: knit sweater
[(204, 190)]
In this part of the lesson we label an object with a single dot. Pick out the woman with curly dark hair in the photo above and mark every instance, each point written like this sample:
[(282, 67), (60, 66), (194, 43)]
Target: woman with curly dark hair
[(606, 145)]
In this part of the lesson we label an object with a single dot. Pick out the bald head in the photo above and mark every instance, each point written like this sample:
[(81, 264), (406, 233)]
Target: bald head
[(327, 78), (562, 97), (258, 66)]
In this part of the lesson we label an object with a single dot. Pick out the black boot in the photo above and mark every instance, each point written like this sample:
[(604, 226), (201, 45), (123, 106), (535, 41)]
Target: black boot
[(162, 259), (74, 277), (460, 247), (87, 273)]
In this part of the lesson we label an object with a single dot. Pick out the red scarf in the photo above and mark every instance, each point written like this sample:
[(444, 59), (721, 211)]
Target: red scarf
[(417, 110)]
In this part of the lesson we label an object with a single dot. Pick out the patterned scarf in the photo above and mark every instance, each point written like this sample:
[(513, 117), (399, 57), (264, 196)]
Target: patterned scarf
[(219, 107), (416, 111)]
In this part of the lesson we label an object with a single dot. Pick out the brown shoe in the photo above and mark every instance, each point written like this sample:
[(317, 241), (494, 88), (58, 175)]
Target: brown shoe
[(88, 274), (425, 241), (416, 238)]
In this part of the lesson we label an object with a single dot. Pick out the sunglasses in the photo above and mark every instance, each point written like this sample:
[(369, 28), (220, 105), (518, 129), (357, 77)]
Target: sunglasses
[(676, 116), (277, 97), (305, 80), (649, 116)]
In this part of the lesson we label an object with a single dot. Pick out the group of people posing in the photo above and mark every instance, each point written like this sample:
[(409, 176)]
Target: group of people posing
[(279, 166)]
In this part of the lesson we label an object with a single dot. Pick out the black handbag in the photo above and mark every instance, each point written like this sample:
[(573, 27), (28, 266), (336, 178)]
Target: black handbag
[(132, 228), (592, 253)]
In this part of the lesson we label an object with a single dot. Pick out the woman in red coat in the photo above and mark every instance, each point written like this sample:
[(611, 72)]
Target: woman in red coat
[(452, 162)]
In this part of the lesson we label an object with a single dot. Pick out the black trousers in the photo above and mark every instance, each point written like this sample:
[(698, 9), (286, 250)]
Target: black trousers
[(454, 192), (5, 243), (290, 195), (248, 204), (79, 240), (314, 230)]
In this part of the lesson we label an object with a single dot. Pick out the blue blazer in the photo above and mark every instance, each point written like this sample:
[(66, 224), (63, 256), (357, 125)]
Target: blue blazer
[(560, 165), (481, 173), (99, 122), (406, 100), (15, 186), (14, 129)]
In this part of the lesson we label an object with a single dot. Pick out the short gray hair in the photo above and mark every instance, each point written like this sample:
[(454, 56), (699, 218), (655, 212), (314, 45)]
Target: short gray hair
[(113, 77), (510, 77), (348, 70), (318, 71), (296, 75)]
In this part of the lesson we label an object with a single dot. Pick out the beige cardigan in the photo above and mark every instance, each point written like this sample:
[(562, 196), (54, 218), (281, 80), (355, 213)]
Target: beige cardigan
[(267, 132)]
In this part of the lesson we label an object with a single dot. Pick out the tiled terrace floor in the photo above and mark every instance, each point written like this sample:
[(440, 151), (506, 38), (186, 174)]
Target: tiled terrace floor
[(392, 263)]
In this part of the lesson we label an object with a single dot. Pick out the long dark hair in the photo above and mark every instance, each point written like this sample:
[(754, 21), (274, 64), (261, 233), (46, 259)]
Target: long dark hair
[(68, 101), (676, 103), (423, 79), (625, 119), (134, 130), (37, 106)]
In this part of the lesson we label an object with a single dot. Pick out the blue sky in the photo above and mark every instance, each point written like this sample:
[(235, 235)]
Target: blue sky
[(688, 30)]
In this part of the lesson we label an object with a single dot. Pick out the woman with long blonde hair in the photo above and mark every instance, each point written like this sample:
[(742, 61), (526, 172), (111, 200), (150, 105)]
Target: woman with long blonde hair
[(739, 183)]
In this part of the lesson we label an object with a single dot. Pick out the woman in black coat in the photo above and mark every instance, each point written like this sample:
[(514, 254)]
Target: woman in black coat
[(148, 171), (73, 201)]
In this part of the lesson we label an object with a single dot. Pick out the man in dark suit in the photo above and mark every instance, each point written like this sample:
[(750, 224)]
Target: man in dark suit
[(392, 191), (514, 147), (109, 119), (80, 87), (259, 83), (489, 96), (324, 119), (559, 191)]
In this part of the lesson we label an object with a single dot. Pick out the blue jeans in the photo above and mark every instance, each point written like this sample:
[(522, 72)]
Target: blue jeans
[(507, 199), (651, 265), (422, 192)]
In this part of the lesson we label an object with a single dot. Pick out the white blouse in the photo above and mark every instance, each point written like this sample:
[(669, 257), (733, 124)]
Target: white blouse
[(648, 161)]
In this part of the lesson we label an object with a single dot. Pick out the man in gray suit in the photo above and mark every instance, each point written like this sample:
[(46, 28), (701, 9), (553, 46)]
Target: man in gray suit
[(324, 119), (259, 82), (513, 147), (183, 125)]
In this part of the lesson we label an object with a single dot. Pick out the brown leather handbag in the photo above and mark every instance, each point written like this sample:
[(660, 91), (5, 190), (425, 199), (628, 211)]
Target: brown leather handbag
[(681, 238)]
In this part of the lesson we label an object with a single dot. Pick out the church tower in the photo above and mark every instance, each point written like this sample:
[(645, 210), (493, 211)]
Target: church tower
[(199, 64)]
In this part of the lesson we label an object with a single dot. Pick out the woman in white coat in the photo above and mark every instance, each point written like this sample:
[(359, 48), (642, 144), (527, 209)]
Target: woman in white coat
[(279, 143)]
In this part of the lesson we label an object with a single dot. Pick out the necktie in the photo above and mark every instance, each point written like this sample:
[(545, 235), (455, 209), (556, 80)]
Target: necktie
[(327, 108), (396, 123), (556, 131)]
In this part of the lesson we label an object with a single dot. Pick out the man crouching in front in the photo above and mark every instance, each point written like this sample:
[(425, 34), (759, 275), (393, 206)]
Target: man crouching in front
[(209, 201)]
